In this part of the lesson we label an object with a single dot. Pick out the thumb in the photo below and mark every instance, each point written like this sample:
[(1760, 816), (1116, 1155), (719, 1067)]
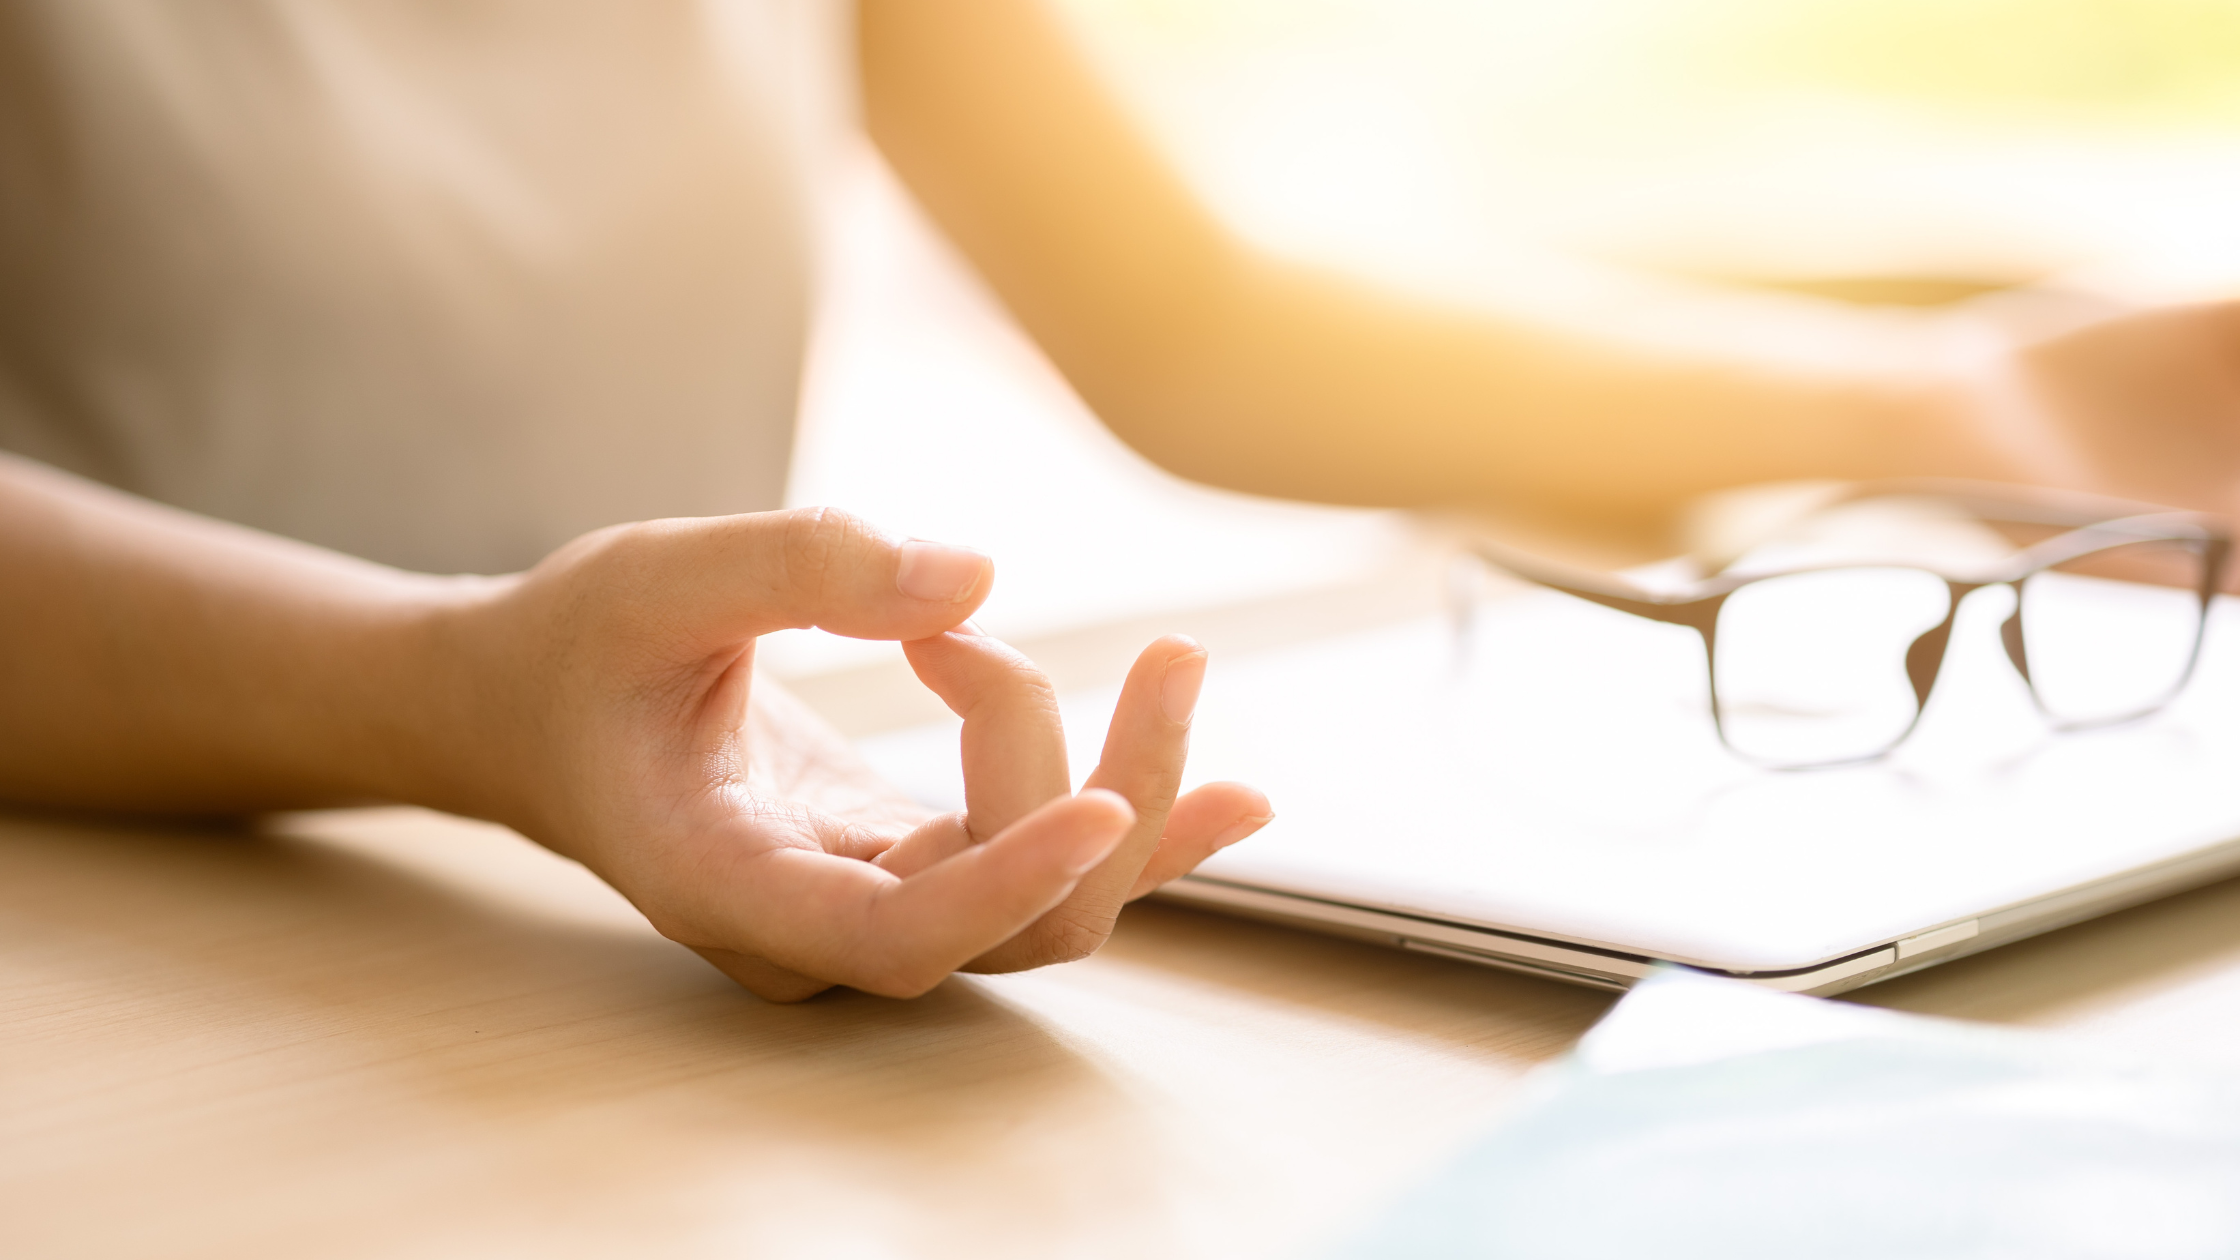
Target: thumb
[(728, 577)]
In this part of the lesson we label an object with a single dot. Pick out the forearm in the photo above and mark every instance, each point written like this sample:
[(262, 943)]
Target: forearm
[(1313, 386), (1248, 372), (150, 659), (603, 705)]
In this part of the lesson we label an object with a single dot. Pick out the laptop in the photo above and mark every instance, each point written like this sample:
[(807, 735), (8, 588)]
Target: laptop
[(1541, 789)]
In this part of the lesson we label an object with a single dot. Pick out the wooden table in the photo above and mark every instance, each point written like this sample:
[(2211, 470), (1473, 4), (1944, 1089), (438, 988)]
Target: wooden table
[(386, 1032)]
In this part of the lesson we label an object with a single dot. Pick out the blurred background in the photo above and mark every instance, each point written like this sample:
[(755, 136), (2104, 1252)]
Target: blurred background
[(1845, 143), (1909, 152)]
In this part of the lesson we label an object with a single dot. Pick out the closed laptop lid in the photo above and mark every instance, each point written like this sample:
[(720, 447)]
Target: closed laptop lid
[(1554, 771)]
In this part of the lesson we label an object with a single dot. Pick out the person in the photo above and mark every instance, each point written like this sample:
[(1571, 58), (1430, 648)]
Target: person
[(339, 299)]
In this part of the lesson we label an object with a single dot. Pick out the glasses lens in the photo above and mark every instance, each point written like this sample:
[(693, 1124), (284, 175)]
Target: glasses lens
[(1810, 668), (2111, 635)]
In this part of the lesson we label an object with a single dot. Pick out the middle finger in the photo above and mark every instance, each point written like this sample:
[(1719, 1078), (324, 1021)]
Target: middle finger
[(1013, 747)]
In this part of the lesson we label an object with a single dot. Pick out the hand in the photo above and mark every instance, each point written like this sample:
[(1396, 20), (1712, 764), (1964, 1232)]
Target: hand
[(621, 670), (2144, 405)]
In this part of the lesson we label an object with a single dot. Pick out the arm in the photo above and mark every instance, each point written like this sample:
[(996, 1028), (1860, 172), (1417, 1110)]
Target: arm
[(603, 704), (151, 659), (1249, 372)]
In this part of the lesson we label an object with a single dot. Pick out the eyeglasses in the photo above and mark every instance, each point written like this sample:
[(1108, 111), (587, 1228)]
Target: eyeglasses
[(1831, 663)]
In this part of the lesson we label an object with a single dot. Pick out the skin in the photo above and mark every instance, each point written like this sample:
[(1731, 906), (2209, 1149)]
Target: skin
[(604, 703), (1256, 373)]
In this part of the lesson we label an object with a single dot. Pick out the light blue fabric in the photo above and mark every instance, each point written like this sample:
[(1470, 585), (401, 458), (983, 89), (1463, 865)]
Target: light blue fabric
[(1708, 1118)]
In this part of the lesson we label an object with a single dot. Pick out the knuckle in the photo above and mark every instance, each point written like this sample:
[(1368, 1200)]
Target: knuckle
[(635, 545), (1024, 679), (608, 581), (615, 556), (816, 543), (1006, 682), (1071, 937), (1155, 789)]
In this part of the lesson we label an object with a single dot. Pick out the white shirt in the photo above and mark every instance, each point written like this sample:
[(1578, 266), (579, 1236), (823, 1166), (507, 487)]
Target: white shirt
[(440, 282)]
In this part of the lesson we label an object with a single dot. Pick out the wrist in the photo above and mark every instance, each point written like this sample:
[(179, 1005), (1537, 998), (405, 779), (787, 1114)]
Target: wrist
[(437, 702)]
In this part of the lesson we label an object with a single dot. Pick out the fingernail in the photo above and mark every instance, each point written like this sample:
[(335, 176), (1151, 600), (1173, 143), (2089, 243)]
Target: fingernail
[(970, 628), (937, 572), (1178, 692), (1242, 828)]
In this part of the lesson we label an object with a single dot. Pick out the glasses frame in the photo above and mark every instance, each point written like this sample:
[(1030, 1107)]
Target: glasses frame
[(2091, 524)]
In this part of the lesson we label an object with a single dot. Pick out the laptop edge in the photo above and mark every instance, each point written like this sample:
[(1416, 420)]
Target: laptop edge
[(1610, 965)]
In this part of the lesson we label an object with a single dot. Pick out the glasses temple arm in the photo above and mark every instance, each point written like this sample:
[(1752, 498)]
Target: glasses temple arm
[(2171, 527), (1597, 588)]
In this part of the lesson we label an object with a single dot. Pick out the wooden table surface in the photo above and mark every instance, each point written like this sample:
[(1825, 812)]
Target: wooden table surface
[(386, 1032)]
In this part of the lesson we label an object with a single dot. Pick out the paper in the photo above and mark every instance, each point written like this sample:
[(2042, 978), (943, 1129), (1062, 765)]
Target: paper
[(1708, 1118)]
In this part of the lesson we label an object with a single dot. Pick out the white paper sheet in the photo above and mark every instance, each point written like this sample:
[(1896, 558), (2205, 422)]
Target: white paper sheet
[(1704, 1117)]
